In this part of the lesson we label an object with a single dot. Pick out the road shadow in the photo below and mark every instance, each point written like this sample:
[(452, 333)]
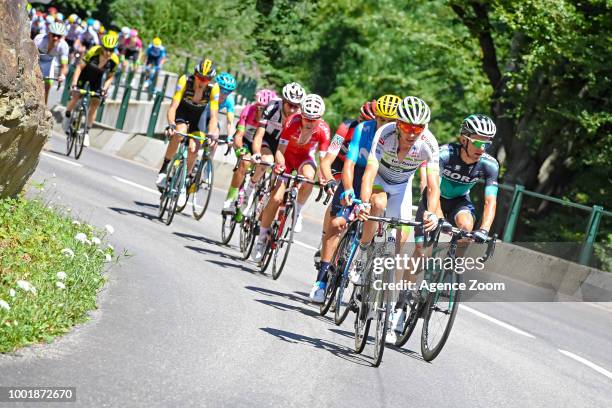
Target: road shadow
[(309, 311), (224, 264), (149, 205), (335, 349), (269, 292), (285, 307), (199, 238), (141, 214)]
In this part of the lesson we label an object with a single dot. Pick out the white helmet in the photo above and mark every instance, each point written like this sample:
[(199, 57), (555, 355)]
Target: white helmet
[(49, 19), (413, 110), (125, 31), (480, 125), (293, 92), (57, 28), (313, 106), (59, 17), (96, 25)]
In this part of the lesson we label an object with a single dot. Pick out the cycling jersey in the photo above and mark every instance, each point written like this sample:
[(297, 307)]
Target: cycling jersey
[(361, 143), (92, 73), (190, 110), (227, 105), (384, 151), (339, 144), (49, 60), (132, 47), (248, 122), (73, 33), (301, 147), (457, 177), (272, 122), (89, 38), (155, 54)]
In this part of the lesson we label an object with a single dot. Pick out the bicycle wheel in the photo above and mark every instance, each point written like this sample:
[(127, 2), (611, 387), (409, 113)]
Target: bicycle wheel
[(70, 139), (177, 183), (362, 327), (334, 275), (164, 199), (281, 253), (381, 314), (411, 321), (346, 289), (441, 309), (79, 134), (247, 233), (267, 255), (203, 185), (228, 225)]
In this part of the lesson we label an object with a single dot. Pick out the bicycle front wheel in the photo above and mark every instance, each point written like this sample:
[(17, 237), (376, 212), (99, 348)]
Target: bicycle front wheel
[(203, 189), (362, 327), (334, 274), (381, 314), (79, 133), (440, 311), (247, 233), (178, 181), (228, 225), (69, 140), (281, 253)]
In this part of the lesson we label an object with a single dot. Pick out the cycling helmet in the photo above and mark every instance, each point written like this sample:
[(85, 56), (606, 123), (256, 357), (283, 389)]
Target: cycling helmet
[(293, 92), (110, 41), (313, 106), (96, 25), (102, 29), (367, 110), (413, 110), (480, 125), (57, 28), (72, 18), (59, 17), (264, 96), (226, 81), (90, 21), (133, 33), (206, 67), (157, 42), (125, 31), (386, 106), (51, 10), (50, 19)]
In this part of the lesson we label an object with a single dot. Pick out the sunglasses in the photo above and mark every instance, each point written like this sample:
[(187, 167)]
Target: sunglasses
[(109, 49), (309, 120), (203, 77), (292, 105), (479, 144), (57, 37), (410, 128), (383, 120)]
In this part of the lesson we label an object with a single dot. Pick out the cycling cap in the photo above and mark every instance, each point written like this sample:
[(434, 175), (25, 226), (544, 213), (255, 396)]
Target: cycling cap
[(386, 106), (57, 28), (264, 96), (226, 81), (110, 41), (313, 106), (367, 110), (293, 92), (413, 110), (480, 125)]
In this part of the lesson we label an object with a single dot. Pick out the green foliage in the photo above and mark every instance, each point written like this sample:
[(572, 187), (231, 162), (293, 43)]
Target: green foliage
[(83, 8), (36, 244)]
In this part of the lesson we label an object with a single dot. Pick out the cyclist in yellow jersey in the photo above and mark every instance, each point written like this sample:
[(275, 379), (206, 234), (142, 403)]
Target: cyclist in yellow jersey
[(99, 61), (193, 94)]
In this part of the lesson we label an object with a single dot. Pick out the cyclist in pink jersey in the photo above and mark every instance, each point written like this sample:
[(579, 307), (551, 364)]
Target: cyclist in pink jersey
[(243, 145)]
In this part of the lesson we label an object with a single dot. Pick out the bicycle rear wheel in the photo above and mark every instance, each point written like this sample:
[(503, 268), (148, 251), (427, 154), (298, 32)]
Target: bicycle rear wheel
[(69, 140), (362, 327), (412, 317), (176, 184), (440, 311), (334, 274), (228, 225), (381, 314), (281, 253), (203, 185), (247, 233)]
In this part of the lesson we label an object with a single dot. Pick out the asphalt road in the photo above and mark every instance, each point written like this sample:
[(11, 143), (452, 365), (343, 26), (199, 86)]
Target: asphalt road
[(184, 322)]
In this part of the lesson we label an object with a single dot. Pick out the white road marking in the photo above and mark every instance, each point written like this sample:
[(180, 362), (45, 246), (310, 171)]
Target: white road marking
[(587, 363), (300, 243), (51, 156), (131, 183), (497, 322)]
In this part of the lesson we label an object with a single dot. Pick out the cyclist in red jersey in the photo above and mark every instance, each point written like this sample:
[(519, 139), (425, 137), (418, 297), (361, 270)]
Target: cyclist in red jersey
[(303, 134)]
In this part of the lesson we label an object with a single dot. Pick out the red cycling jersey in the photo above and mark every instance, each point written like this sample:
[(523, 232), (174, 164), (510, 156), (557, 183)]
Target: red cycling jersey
[(301, 148)]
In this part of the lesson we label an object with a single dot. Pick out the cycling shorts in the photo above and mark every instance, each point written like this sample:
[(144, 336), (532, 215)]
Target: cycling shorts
[(357, 176), (270, 142), (297, 162), (451, 207), (190, 115), (399, 197), (132, 55), (88, 75)]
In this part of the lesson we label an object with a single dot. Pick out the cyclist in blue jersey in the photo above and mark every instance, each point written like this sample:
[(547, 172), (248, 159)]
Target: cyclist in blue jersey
[(461, 166), (227, 101), (355, 162), (155, 57)]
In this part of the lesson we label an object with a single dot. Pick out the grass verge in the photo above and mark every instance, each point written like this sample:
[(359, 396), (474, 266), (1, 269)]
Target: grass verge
[(50, 272)]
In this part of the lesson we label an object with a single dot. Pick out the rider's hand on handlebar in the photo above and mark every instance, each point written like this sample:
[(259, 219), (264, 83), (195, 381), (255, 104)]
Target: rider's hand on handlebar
[(330, 187), (170, 130), (256, 158), (430, 221), (481, 235), (279, 169), (347, 196), (363, 210)]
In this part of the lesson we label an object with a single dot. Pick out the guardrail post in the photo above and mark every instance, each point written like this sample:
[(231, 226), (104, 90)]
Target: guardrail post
[(165, 85), (100, 112), (140, 84), (186, 69), (129, 79), (591, 235), (513, 213), (159, 97), (116, 84), (66, 92), (125, 101)]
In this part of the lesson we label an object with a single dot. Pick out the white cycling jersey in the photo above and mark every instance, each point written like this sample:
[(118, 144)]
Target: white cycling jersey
[(384, 151)]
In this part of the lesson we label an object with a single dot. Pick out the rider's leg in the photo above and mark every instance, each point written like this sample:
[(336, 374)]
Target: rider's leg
[(172, 146), (266, 156), (269, 213), (192, 154), (308, 170), (93, 107)]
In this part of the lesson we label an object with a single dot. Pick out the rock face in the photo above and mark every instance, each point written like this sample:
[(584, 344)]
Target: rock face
[(25, 122)]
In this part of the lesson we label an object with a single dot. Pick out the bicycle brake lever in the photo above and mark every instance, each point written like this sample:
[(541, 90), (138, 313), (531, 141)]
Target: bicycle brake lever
[(320, 195)]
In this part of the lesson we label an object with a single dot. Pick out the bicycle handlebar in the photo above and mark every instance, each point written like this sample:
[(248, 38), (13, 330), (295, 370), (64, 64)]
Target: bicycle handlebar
[(395, 222), (262, 163), (447, 228)]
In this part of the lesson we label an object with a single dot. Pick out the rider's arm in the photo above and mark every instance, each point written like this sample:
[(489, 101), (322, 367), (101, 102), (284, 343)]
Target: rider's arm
[(279, 156), (332, 153), (367, 180), (229, 103), (490, 204), (423, 177), (176, 99), (241, 128), (488, 214), (213, 130)]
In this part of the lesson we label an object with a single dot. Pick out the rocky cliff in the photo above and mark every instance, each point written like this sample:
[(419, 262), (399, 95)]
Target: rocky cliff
[(25, 122)]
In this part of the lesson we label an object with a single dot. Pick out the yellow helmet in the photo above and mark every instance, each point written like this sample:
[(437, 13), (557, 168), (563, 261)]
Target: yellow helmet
[(110, 41), (386, 106), (102, 29), (157, 42), (206, 67)]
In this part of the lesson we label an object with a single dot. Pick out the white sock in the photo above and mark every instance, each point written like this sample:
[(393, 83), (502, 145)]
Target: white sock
[(298, 208), (263, 234)]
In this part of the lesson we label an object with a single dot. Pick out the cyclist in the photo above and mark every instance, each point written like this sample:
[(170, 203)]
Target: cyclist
[(193, 93), (227, 101), (132, 47), (88, 38), (243, 145), (385, 111), (155, 57), (397, 152), (74, 31), (303, 134), (462, 165), (53, 53), (265, 141), (99, 63)]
